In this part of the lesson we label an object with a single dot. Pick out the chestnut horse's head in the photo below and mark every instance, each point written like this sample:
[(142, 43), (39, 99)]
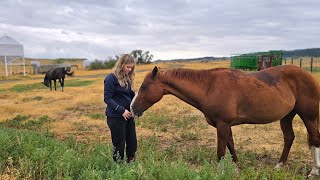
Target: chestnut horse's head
[(150, 92)]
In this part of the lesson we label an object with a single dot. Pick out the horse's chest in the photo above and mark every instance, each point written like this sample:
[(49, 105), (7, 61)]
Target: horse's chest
[(211, 121)]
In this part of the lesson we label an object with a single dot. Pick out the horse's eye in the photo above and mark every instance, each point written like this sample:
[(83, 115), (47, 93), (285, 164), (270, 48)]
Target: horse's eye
[(143, 87)]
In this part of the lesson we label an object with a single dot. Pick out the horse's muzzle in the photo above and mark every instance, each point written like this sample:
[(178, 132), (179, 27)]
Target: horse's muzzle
[(139, 114), (136, 111)]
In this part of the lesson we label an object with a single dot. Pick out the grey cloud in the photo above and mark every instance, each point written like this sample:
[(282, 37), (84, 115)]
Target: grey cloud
[(98, 29)]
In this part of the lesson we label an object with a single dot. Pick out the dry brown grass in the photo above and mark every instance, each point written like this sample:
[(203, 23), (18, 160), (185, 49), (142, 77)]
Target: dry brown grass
[(70, 112)]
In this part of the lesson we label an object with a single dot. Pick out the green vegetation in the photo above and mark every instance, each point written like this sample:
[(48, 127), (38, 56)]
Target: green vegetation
[(77, 83), (142, 57), (310, 52), (165, 120), (100, 116), (97, 64), (83, 126), (27, 87), (33, 155), (36, 98), (139, 55), (26, 122), (189, 135), (156, 120), (59, 61), (37, 86)]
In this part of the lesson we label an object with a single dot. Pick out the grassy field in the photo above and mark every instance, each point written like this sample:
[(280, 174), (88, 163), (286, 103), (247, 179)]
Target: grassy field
[(63, 135)]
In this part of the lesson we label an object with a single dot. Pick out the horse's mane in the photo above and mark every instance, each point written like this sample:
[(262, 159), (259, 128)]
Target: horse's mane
[(189, 74)]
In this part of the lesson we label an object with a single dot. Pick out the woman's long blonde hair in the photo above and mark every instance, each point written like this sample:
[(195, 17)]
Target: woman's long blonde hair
[(124, 79)]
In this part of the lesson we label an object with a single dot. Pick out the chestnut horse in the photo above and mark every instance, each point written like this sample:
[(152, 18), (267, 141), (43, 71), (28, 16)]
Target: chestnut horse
[(229, 97)]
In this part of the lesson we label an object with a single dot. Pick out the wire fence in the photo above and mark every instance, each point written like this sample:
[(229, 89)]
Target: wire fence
[(311, 64)]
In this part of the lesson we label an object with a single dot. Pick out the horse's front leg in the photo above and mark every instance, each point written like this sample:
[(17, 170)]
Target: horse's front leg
[(223, 133), (230, 146), (55, 85), (61, 81), (288, 137), (50, 84)]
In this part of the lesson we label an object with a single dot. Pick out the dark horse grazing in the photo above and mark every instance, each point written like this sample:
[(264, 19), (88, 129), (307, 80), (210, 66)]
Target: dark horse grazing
[(229, 97), (54, 74)]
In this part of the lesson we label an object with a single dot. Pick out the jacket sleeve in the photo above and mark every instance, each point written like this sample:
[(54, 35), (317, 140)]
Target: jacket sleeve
[(132, 93), (109, 90)]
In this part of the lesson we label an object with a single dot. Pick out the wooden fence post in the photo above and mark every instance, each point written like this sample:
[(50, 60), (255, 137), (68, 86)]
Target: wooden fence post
[(311, 64), (285, 60), (291, 60), (300, 62)]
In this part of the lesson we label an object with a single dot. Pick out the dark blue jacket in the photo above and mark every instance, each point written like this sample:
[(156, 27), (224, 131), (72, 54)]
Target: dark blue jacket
[(116, 97)]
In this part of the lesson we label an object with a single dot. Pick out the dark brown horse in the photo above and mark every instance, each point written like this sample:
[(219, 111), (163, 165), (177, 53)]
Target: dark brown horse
[(54, 74), (229, 97)]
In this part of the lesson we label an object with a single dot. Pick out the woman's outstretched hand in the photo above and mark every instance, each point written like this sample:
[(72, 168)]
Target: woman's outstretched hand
[(127, 115)]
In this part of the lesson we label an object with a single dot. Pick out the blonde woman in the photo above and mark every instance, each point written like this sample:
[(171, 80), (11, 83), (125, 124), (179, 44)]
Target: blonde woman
[(118, 94)]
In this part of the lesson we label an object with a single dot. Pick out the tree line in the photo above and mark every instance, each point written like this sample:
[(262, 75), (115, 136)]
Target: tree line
[(140, 56), (311, 52)]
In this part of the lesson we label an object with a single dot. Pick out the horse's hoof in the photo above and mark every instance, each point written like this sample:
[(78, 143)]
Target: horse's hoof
[(312, 175), (279, 165), (236, 170), (314, 172)]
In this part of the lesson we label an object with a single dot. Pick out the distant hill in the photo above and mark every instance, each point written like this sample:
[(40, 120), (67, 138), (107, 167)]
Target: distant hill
[(312, 52)]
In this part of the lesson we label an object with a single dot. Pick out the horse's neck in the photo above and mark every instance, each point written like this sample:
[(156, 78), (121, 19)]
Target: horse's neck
[(183, 90)]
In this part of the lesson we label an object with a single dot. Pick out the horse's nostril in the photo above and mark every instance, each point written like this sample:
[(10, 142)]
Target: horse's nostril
[(139, 113)]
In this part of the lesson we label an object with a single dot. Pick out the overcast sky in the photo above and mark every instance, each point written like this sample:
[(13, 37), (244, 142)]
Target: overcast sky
[(169, 29)]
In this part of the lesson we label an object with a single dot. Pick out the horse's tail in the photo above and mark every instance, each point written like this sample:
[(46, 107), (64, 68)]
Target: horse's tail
[(318, 120), (69, 73), (318, 125)]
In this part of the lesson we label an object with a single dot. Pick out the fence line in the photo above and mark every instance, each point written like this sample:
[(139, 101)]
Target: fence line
[(311, 64)]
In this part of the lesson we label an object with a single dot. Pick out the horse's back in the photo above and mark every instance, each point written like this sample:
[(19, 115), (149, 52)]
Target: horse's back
[(301, 82), (49, 74), (271, 94), (298, 79), (56, 73)]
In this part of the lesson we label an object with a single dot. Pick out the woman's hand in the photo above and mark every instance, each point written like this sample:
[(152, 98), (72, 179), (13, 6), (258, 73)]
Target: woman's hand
[(127, 115)]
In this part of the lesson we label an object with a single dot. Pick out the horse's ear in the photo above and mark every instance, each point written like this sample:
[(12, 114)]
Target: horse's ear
[(154, 71)]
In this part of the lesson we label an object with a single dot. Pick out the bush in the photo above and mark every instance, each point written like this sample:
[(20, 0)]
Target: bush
[(97, 64)]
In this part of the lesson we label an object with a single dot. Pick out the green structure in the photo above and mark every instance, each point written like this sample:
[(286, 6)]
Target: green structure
[(257, 61)]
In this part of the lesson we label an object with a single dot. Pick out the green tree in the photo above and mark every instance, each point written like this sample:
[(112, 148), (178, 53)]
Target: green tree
[(110, 62), (59, 61), (142, 57), (96, 64)]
